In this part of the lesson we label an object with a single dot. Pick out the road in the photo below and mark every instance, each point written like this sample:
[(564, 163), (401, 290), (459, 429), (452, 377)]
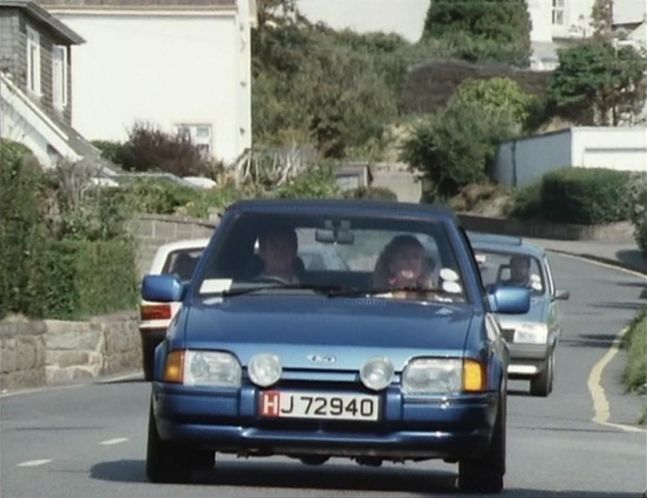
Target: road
[(89, 440)]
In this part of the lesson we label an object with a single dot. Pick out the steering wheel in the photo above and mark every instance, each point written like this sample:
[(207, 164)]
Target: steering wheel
[(273, 279)]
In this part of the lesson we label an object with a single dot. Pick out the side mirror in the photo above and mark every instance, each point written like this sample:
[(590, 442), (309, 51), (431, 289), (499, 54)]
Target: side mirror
[(510, 300), (162, 288), (562, 294)]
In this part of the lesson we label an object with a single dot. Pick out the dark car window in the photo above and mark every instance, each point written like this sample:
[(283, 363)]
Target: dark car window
[(348, 253), (182, 263), (496, 269)]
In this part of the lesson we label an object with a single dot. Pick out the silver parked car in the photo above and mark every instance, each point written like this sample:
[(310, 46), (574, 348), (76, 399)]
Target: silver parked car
[(533, 336)]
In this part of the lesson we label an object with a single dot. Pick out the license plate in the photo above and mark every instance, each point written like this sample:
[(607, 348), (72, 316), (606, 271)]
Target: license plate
[(282, 404)]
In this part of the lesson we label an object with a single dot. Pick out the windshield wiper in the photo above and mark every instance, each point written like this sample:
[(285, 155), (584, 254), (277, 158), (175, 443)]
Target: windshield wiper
[(436, 294)]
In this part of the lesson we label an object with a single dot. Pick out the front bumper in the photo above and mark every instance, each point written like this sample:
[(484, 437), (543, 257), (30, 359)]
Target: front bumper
[(228, 421), (527, 360)]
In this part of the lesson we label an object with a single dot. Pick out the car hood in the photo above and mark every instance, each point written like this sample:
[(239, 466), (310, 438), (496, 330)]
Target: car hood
[(538, 312), (340, 333)]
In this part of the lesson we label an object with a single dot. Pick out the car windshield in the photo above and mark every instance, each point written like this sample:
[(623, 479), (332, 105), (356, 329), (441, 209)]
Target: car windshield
[(502, 268), (384, 257)]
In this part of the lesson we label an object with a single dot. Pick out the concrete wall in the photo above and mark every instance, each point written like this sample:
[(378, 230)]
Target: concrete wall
[(524, 161), (399, 179), (48, 352), (164, 68), (152, 230)]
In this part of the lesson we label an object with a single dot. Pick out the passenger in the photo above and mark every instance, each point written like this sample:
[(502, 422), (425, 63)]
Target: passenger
[(404, 265), (519, 271), (278, 250)]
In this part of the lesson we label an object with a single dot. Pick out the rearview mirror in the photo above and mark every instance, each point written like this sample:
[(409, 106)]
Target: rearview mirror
[(162, 288), (335, 232), (562, 294), (510, 300)]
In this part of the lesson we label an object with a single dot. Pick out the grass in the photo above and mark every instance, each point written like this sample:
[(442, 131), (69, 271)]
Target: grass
[(635, 342)]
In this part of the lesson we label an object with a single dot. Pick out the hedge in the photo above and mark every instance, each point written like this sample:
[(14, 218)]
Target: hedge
[(587, 196), (635, 342), (84, 278)]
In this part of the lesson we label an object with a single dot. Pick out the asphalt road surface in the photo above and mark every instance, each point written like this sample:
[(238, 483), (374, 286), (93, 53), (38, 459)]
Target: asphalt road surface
[(90, 440)]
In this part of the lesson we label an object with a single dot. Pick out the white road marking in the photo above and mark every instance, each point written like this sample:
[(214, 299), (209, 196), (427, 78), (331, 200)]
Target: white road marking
[(600, 402), (111, 442), (33, 463)]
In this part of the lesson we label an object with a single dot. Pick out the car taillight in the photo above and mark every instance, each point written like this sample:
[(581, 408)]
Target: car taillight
[(155, 311)]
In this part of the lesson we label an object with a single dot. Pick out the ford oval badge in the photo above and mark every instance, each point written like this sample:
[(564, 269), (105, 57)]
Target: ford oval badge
[(322, 359)]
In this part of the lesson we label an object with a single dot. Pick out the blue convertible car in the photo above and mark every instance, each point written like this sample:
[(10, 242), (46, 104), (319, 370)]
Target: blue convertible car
[(393, 355)]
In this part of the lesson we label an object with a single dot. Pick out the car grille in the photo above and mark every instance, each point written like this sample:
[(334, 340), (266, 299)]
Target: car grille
[(508, 334)]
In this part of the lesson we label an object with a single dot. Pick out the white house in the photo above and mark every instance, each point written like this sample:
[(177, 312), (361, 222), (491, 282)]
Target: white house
[(524, 161), (183, 66), (35, 97)]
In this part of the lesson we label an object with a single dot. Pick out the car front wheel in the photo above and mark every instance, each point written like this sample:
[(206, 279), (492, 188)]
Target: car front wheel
[(542, 384), (167, 462), (485, 474)]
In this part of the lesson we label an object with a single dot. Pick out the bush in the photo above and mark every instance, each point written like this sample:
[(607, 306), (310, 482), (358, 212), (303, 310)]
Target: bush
[(635, 341), (83, 278), (587, 196), (638, 201), (526, 202), (150, 149), (371, 193), (22, 230), (317, 182)]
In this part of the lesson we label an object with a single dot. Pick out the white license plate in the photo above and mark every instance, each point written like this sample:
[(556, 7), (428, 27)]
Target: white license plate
[(285, 404)]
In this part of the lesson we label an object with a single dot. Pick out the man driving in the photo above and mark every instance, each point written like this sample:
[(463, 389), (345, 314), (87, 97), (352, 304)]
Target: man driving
[(278, 248)]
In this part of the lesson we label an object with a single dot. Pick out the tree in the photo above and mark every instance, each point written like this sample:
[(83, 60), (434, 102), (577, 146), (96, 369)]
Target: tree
[(597, 84), (478, 30), (602, 15)]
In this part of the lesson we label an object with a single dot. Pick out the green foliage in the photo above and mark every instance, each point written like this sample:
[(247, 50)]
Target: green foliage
[(22, 231), (588, 196), (602, 15), (313, 85), (500, 98), (317, 182), (595, 84), (480, 31), (526, 202), (635, 341), (84, 278), (371, 193), (638, 210)]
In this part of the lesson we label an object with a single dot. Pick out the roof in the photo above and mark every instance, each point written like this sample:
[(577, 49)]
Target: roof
[(357, 207), (140, 4), (482, 237), (506, 248), (38, 13), (629, 11)]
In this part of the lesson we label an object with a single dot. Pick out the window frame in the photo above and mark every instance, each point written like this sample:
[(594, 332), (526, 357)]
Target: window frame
[(204, 144), (33, 62), (60, 75), (558, 10)]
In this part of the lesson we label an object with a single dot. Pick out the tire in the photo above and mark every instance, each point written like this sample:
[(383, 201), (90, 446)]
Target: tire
[(170, 463), (148, 360), (542, 384), (485, 474)]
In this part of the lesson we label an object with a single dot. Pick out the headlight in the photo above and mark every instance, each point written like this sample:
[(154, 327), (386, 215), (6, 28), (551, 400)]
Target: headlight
[(376, 373), (530, 333), (264, 369), (432, 376), (202, 368)]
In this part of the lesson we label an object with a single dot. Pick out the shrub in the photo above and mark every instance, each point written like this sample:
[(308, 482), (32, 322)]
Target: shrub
[(22, 230), (638, 201), (317, 182), (588, 196), (150, 149), (372, 193), (83, 278), (526, 201), (635, 341)]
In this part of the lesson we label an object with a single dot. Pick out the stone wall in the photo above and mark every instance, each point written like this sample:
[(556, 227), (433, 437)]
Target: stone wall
[(153, 230), (47, 352)]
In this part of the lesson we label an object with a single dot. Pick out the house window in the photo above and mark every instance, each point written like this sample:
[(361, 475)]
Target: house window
[(59, 76), (558, 12), (198, 134), (33, 61)]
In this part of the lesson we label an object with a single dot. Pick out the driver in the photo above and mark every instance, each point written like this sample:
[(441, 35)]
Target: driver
[(278, 248), (519, 271)]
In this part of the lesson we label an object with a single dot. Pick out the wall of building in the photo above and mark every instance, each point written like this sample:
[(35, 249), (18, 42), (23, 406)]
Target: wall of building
[(616, 148), (404, 17), (163, 69), (523, 162)]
